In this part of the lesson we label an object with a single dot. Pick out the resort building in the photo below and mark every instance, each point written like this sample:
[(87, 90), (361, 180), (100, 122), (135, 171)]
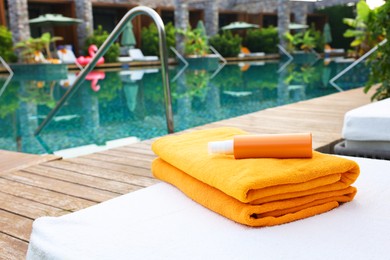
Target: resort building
[(15, 14)]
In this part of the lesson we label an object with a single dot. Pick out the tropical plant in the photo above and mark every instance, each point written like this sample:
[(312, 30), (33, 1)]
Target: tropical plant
[(364, 38), (32, 47), (380, 62), (307, 41), (227, 44), (293, 41), (262, 40), (6, 50), (150, 39), (98, 38), (195, 41)]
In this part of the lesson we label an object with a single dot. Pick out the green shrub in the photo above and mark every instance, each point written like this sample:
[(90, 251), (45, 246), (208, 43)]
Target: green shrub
[(262, 40), (195, 41), (149, 36), (98, 38), (318, 39), (226, 44), (380, 61), (6, 50)]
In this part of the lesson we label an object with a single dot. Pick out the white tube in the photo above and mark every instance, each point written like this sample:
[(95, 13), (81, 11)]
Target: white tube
[(221, 147)]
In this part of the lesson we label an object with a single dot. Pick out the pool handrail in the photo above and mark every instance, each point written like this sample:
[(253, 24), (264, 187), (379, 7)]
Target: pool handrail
[(289, 56), (11, 74), (353, 64), (103, 49), (181, 58)]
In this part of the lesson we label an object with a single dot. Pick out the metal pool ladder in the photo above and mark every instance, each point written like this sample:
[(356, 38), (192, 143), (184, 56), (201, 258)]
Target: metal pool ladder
[(103, 49)]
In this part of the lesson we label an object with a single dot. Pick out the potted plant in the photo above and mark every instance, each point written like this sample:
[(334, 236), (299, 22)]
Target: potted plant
[(38, 60), (301, 46), (196, 49)]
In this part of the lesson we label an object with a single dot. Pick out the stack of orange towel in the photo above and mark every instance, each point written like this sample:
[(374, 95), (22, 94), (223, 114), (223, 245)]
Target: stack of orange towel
[(254, 192)]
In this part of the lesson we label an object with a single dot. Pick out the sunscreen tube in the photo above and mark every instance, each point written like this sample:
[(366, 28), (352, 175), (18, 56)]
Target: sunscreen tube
[(265, 146)]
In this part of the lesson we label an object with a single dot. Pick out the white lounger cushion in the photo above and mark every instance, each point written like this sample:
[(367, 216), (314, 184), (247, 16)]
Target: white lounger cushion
[(368, 123), (160, 222), (136, 54)]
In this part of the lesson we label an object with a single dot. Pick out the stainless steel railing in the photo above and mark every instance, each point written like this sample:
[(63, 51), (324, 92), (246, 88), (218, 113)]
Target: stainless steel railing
[(356, 62), (103, 49)]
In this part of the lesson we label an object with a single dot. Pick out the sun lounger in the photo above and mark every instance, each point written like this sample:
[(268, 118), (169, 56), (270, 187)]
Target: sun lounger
[(136, 54), (160, 222), (66, 55), (245, 52), (366, 131)]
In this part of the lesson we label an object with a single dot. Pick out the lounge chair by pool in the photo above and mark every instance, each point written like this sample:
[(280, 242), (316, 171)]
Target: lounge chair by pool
[(160, 222), (245, 52), (366, 131), (137, 54)]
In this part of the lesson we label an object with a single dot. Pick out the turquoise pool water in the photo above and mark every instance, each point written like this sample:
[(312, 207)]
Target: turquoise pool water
[(118, 104)]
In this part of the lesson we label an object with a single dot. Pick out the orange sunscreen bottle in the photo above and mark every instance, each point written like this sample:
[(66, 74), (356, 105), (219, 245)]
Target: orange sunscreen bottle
[(265, 146)]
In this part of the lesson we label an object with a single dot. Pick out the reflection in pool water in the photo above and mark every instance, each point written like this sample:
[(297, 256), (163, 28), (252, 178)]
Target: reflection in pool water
[(130, 103)]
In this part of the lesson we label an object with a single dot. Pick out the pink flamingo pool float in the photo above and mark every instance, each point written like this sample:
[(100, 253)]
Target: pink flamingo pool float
[(94, 77), (84, 60)]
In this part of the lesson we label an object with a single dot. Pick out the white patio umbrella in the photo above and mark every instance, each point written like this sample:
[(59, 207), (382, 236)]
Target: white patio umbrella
[(53, 20), (239, 26)]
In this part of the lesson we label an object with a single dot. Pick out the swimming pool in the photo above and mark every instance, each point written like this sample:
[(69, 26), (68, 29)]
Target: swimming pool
[(125, 103)]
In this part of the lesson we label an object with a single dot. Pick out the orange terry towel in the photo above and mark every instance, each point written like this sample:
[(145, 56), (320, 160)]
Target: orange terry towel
[(255, 192)]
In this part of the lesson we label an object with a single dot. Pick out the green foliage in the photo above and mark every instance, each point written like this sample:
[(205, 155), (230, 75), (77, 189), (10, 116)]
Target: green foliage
[(380, 63), (149, 36), (98, 38), (319, 41), (6, 50), (226, 44), (311, 39), (33, 46), (364, 38), (335, 16), (195, 41), (262, 40)]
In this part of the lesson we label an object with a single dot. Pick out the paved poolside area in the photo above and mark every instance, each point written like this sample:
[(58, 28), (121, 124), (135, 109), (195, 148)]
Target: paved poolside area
[(55, 187)]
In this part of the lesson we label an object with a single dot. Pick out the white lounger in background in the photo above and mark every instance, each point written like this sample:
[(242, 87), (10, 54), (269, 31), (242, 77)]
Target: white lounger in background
[(366, 131), (160, 222), (136, 54)]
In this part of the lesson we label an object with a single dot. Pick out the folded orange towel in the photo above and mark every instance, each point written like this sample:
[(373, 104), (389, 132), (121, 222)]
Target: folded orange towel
[(252, 179), (256, 192)]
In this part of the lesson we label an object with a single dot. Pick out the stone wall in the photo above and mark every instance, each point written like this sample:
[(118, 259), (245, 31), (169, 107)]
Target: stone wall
[(18, 15)]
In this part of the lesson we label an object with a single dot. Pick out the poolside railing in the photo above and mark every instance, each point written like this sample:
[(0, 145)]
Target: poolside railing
[(11, 74), (103, 49), (353, 64)]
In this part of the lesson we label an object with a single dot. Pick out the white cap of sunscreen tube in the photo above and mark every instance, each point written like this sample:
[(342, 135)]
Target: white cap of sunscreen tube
[(221, 147)]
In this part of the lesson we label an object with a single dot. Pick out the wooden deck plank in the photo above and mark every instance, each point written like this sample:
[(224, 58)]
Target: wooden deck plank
[(10, 161), (112, 166), (27, 208), (121, 158), (137, 160), (15, 225), (12, 248), (77, 190), (82, 179), (47, 197), (109, 174)]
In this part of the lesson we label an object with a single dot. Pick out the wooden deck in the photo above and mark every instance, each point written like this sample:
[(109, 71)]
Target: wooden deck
[(37, 186)]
